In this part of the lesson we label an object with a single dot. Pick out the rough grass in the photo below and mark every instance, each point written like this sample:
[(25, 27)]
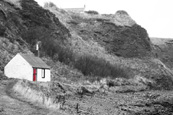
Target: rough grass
[(34, 93), (64, 73), (61, 14)]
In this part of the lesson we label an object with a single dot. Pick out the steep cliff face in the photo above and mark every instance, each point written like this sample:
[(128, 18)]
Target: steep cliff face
[(123, 41), (118, 33), (122, 18)]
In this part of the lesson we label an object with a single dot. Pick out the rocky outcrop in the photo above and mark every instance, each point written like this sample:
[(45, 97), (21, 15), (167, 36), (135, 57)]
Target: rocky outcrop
[(122, 18), (125, 41)]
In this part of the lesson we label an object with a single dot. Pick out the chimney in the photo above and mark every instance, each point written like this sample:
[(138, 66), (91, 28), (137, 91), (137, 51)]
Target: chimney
[(37, 48)]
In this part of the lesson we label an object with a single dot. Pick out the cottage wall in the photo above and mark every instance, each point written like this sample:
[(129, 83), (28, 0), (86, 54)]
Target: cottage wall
[(18, 67), (40, 76)]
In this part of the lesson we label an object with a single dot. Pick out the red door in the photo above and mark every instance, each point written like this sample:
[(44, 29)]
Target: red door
[(34, 74)]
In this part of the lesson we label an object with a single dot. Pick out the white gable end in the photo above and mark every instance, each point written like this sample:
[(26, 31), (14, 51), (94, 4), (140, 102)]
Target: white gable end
[(18, 67)]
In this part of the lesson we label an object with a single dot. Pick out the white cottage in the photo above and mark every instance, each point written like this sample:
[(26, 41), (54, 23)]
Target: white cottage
[(27, 66)]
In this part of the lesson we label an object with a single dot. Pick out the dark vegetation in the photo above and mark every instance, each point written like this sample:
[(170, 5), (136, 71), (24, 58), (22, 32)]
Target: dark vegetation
[(98, 67), (2, 30), (2, 76), (32, 23), (92, 12), (41, 27), (89, 65)]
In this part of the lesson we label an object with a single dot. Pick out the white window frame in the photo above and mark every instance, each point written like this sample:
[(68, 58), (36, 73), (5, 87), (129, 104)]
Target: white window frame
[(42, 73)]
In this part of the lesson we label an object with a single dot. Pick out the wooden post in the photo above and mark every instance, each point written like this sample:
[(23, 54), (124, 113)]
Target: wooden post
[(77, 107)]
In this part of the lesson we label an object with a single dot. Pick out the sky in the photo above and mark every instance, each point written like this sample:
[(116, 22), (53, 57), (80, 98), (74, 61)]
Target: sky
[(156, 16)]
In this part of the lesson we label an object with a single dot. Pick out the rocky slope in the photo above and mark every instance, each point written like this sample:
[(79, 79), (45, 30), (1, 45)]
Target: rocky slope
[(118, 39)]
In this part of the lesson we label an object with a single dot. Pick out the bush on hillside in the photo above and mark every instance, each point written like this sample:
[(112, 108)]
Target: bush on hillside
[(94, 66), (56, 51), (88, 65), (2, 76)]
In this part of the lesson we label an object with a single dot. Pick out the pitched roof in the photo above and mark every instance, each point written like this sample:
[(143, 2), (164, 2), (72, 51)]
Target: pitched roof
[(35, 61)]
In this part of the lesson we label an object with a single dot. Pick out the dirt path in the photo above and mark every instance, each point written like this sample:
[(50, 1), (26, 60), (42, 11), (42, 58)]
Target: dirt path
[(11, 105)]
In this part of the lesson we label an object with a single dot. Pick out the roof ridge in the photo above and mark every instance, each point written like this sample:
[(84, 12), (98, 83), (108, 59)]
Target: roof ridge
[(34, 61)]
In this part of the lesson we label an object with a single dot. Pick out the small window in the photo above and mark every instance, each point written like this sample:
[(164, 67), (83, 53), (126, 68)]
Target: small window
[(43, 73)]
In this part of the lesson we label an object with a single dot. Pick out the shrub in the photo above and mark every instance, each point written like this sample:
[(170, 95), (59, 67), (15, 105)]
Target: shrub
[(88, 65), (2, 76), (57, 50), (94, 66)]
